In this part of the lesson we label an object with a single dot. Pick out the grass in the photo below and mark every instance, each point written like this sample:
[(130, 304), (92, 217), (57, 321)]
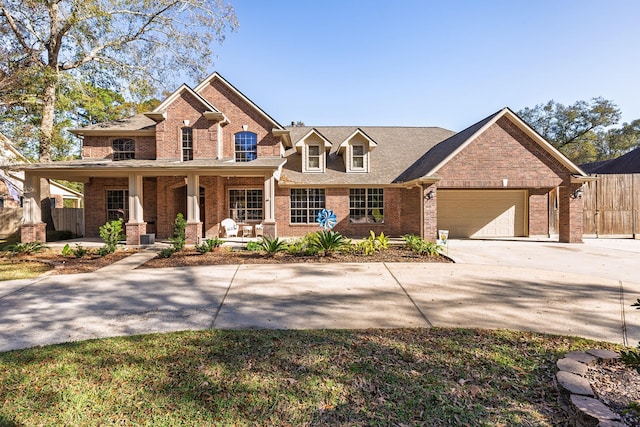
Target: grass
[(432, 377), (21, 270)]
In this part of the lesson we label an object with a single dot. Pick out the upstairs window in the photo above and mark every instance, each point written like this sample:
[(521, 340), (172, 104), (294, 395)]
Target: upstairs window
[(187, 144), (123, 149), (246, 146), (357, 157), (313, 157)]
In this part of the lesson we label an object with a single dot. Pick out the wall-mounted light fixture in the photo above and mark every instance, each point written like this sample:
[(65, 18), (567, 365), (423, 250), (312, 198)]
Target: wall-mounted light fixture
[(577, 194), (186, 122), (245, 127), (430, 195)]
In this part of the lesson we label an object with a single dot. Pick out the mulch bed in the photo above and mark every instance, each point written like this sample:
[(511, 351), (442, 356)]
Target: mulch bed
[(71, 265), (224, 256)]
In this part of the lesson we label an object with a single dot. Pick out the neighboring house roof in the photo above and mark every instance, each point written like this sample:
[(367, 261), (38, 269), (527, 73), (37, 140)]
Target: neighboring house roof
[(134, 125), (397, 148), (627, 163)]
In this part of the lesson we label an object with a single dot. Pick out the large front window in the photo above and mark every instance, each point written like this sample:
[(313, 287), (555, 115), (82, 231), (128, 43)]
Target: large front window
[(305, 204), (123, 149), (187, 144), (246, 146), (245, 204), (117, 204), (366, 205)]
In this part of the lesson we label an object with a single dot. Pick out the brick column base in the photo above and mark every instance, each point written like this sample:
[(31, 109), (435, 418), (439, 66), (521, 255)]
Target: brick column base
[(193, 232), (134, 231), (33, 232), (270, 229)]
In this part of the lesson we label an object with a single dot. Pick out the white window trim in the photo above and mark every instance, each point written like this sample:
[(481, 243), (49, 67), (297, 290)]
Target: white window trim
[(305, 158)]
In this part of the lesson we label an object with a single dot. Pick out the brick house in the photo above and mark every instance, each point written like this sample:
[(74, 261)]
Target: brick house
[(212, 153)]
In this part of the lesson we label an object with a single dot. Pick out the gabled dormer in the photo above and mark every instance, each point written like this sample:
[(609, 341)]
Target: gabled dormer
[(313, 148), (355, 151)]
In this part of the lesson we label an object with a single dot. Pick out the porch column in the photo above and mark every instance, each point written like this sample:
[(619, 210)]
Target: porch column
[(194, 225), (570, 212), (33, 229), (136, 226), (269, 222)]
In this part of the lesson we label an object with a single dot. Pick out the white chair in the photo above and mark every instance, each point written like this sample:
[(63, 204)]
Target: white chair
[(259, 230), (230, 227)]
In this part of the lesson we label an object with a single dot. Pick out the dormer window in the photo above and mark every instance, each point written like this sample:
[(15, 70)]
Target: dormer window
[(313, 157), (246, 146), (123, 149), (187, 144), (357, 157)]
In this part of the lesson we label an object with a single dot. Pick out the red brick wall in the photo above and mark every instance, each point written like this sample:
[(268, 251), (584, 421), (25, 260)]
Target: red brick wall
[(100, 147), (570, 212), (239, 113), (503, 152), (95, 212), (538, 212), (169, 131), (401, 213)]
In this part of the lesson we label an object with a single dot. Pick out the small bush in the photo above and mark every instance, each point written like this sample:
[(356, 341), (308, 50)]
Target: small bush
[(66, 250), (105, 250), (26, 248), (272, 245), (179, 238), (166, 253), (421, 246), (327, 242), (111, 233), (253, 246), (208, 245), (79, 251), (302, 246), (373, 244)]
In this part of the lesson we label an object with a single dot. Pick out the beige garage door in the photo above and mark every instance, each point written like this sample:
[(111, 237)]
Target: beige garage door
[(482, 213)]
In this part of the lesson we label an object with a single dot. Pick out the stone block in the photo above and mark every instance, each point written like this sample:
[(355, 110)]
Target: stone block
[(574, 384)]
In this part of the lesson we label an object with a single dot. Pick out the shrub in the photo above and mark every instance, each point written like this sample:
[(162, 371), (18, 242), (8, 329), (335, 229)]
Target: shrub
[(105, 250), (421, 246), (26, 248), (208, 245), (253, 246), (302, 246), (111, 233), (166, 253), (373, 244), (272, 245), (79, 251), (66, 250), (328, 242), (179, 238)]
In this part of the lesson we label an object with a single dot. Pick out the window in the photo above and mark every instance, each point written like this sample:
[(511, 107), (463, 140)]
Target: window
[(245, 205), (187, 144), (313, 157), (117, 204), (246, 146), (305, 204), (357, 157), (123, 149), (366, 205)]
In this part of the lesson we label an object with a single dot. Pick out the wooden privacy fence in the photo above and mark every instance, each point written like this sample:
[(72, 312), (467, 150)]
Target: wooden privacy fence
[(612, 206), (71, 219)]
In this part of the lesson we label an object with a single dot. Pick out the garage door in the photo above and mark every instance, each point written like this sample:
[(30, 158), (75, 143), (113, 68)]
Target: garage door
[(482, 213)]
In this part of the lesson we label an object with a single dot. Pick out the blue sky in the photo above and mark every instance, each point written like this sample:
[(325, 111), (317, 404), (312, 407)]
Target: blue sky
[(427, 63)]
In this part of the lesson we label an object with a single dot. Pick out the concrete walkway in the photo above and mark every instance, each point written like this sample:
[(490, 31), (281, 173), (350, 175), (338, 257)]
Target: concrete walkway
[(539, 295)]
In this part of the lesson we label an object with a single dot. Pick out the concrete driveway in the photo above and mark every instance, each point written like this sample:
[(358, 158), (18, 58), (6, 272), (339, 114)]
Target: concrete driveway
[(495, 285)]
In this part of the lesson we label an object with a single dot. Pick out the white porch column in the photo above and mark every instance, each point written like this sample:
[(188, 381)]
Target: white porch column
[(269, 199), (31, 210), (193, 197), (136, 213)]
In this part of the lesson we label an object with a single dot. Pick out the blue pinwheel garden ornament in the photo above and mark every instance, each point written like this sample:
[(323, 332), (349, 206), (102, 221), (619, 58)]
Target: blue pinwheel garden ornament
[(327, 219)]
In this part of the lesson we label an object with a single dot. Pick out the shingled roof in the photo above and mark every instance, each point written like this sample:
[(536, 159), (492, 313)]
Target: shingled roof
[(628, 163), (397, 148)]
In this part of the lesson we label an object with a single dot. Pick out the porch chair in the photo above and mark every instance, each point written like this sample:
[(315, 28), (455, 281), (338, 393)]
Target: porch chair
[(230, 227)]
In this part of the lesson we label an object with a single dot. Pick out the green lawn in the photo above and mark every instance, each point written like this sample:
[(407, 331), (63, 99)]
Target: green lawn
[(400, 377), (21, 270)]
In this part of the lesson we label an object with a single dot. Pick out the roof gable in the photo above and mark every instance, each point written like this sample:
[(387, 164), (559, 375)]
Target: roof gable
[(216, 76), (160, 112), (434, 159), (319, 137), (358, 132)]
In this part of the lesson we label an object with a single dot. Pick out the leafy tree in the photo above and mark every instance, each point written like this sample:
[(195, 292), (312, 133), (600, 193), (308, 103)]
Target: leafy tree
[(117, 43), (577, 130)]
